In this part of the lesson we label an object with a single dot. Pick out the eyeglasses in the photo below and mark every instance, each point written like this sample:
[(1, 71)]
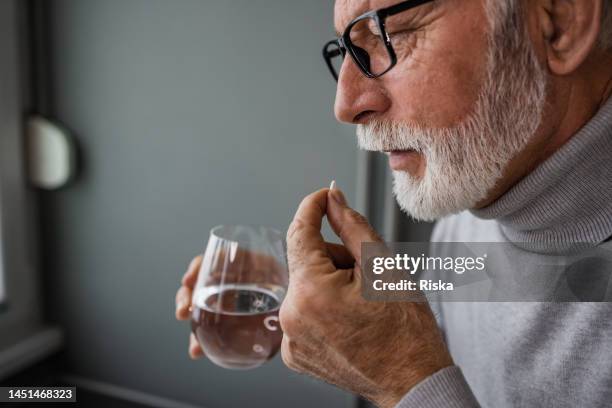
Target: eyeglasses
[(367, 42)]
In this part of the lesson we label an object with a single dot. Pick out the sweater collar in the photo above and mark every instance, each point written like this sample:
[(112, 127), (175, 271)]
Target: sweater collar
[(568, 198)]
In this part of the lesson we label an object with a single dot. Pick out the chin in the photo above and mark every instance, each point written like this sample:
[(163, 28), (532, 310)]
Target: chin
[(428, 199)]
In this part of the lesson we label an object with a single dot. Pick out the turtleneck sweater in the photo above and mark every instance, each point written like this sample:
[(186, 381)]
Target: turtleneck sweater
[(567, 199), (533, 354)]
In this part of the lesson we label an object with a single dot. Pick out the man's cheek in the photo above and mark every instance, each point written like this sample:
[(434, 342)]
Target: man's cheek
[(446, 96), (424, 97)]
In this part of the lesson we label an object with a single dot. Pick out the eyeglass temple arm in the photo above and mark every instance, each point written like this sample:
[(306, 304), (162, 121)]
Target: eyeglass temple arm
[(403, 6), (332, 53), (335, 51)]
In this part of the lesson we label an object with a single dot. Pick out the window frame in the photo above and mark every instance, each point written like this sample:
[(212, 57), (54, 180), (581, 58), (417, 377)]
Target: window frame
[(24, 338)]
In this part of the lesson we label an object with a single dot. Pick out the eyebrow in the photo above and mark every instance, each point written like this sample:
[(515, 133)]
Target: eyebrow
[(360, 10), (339, 34)]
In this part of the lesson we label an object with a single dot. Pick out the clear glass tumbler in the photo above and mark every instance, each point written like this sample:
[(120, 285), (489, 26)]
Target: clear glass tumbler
[(241, 285)]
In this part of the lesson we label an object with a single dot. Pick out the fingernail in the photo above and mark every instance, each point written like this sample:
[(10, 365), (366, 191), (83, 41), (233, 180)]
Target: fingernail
[(338, 196), (332, 185)]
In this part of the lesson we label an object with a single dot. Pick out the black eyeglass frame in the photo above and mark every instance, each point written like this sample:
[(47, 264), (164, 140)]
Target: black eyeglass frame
[(344, 43)]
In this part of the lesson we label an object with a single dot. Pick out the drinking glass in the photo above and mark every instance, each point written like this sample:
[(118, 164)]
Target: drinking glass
[(240, 287)]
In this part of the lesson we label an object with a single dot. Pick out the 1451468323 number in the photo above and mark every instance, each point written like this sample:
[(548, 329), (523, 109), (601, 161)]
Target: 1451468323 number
[(40, 393)]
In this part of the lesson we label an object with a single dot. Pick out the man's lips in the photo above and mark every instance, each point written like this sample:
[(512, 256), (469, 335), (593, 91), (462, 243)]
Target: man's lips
[(406, 160)]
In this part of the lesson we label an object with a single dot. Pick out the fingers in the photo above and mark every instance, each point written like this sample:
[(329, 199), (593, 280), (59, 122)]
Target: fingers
[(183, 295), (195, 351), (191, 276), (352, 227), (312, 208), (340, 256), (183, 301), (306, 224), (305, 244)]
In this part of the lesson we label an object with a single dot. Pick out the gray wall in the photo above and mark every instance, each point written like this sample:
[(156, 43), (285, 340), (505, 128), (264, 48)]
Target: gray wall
[(188, 114)]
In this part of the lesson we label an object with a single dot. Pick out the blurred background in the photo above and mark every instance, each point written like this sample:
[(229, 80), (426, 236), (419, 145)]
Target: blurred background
[(182, 115)]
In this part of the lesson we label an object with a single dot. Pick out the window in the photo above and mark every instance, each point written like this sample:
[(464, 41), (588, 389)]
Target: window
[(9, 129), (23, 337), (2, 284)]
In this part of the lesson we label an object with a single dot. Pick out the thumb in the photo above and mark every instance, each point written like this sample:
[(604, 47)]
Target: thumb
[(352, 227)]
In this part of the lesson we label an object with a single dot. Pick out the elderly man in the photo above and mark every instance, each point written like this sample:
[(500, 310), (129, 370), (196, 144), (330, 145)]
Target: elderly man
[(500, 108)]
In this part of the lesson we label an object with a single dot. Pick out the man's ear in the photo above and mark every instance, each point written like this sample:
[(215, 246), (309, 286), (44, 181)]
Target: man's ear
[(571, 29)]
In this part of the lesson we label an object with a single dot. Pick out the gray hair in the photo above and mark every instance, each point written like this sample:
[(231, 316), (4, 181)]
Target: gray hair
[(499, 11)]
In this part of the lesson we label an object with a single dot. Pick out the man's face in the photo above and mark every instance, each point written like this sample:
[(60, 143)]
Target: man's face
[(440, 67), (446, 113)]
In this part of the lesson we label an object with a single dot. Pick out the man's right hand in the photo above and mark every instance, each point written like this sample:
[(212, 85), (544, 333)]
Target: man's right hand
[(183, 303)]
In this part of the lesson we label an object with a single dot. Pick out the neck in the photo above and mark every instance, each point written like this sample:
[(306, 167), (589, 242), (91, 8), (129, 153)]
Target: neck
[(572, 102), (566, 199)]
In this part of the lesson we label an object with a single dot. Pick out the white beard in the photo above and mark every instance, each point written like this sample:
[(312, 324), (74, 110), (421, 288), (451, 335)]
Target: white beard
[(464, 162)]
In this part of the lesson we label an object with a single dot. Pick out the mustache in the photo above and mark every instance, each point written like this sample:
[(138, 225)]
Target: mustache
[(385, 136)]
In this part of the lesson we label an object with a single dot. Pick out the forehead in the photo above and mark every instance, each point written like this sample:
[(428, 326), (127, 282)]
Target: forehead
[(347, 10)]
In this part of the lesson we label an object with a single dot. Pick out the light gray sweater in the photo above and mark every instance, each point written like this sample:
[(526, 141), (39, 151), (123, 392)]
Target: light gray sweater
[(533, 354)]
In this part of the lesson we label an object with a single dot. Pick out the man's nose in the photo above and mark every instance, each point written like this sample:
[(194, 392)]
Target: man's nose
[(358, 98)]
